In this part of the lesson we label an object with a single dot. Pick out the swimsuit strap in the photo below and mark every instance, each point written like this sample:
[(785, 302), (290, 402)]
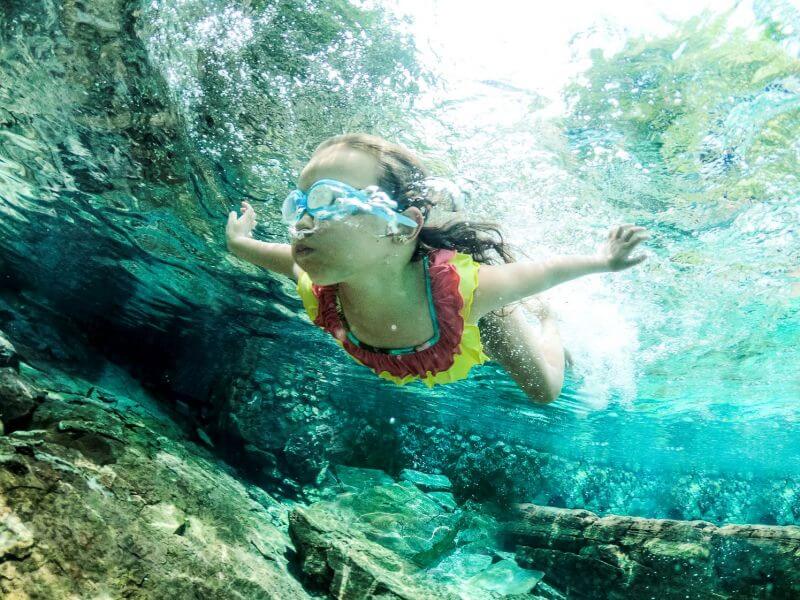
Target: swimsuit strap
[(409, 349)]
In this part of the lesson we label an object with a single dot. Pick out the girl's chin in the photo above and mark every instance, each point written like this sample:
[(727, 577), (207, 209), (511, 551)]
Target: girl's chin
[(305, 258), (318, 276)]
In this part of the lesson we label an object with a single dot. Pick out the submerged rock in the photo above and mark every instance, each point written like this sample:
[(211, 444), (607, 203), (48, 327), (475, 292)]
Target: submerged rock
[(425, 481), (18, 400), (347, 565), (629, 557), (445, 499), (101, 502), (384, 537), (8, 354), (506, 577), (355, 478)]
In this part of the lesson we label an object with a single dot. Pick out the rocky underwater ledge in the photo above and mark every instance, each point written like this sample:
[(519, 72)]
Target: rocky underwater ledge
[(104, 494)]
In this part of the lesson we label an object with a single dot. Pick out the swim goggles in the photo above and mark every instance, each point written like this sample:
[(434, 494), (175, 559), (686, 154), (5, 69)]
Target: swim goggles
[(329, 199)]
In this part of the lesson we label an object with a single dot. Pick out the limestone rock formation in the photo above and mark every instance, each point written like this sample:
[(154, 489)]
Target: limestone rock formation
[(616, 557), (385, 539), (101, 498), (350, 566)]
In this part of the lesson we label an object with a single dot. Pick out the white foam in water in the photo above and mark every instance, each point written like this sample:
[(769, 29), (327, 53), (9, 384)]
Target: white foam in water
[(603, 343)]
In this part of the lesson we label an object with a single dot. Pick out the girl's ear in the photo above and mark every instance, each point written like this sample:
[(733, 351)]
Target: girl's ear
[(416, 214)]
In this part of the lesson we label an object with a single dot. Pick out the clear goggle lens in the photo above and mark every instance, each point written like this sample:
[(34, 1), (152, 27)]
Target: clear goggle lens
[(325, 195), (289, 210)]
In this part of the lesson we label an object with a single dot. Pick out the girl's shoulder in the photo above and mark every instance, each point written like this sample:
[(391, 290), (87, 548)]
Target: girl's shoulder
[(461, 269), (463, 263), (440, 256)]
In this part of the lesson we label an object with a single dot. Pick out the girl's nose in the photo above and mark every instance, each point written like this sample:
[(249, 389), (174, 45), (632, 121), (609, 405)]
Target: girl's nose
[(305, 222)]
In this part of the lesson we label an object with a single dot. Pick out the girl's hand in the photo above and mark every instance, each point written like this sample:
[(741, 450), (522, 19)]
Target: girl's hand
[(620, 243), (242, 226)]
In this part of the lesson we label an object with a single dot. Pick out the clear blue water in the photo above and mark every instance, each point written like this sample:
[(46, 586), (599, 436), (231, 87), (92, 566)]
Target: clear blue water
[(687, 368)]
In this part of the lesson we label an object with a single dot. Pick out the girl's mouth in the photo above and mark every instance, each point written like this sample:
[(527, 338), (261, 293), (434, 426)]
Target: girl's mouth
[(303, 250)]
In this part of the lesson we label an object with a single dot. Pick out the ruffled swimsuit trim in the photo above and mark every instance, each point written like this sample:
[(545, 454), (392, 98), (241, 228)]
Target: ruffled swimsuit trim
[(453, 278)]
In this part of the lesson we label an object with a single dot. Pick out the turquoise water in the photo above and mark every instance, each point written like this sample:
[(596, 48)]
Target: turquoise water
[(685, 396)]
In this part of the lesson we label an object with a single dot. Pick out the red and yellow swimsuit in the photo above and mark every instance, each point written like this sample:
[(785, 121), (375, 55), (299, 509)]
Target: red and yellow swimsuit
[(451, 278)]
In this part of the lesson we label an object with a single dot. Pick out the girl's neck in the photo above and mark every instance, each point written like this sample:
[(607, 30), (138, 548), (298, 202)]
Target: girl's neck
[(382, 292)]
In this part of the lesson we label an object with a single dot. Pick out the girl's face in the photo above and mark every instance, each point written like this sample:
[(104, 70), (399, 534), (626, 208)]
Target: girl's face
[(342, 247)]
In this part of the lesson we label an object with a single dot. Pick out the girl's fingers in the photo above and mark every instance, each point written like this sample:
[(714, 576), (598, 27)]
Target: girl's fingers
[(631, 231), (636, 239), (621, 229), (625, 232)]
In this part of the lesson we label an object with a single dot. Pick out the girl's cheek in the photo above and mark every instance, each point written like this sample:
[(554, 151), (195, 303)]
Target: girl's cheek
[(372, 225)]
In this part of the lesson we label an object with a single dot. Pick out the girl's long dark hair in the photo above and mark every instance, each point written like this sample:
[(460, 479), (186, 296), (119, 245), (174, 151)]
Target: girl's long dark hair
[(403, 178)]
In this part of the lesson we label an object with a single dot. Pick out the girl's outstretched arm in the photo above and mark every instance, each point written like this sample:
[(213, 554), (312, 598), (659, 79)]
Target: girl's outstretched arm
[(270, 255), (499, 285), (238, 237)]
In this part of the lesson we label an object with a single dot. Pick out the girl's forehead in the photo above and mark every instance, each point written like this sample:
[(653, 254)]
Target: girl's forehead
[(349, 165)]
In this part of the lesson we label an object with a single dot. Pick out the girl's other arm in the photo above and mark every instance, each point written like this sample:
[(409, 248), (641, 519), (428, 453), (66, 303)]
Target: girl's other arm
[(499, 285), (273, 256)]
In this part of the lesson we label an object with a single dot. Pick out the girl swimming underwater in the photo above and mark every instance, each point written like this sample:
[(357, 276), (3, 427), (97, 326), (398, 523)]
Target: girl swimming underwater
[(403, 293)]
